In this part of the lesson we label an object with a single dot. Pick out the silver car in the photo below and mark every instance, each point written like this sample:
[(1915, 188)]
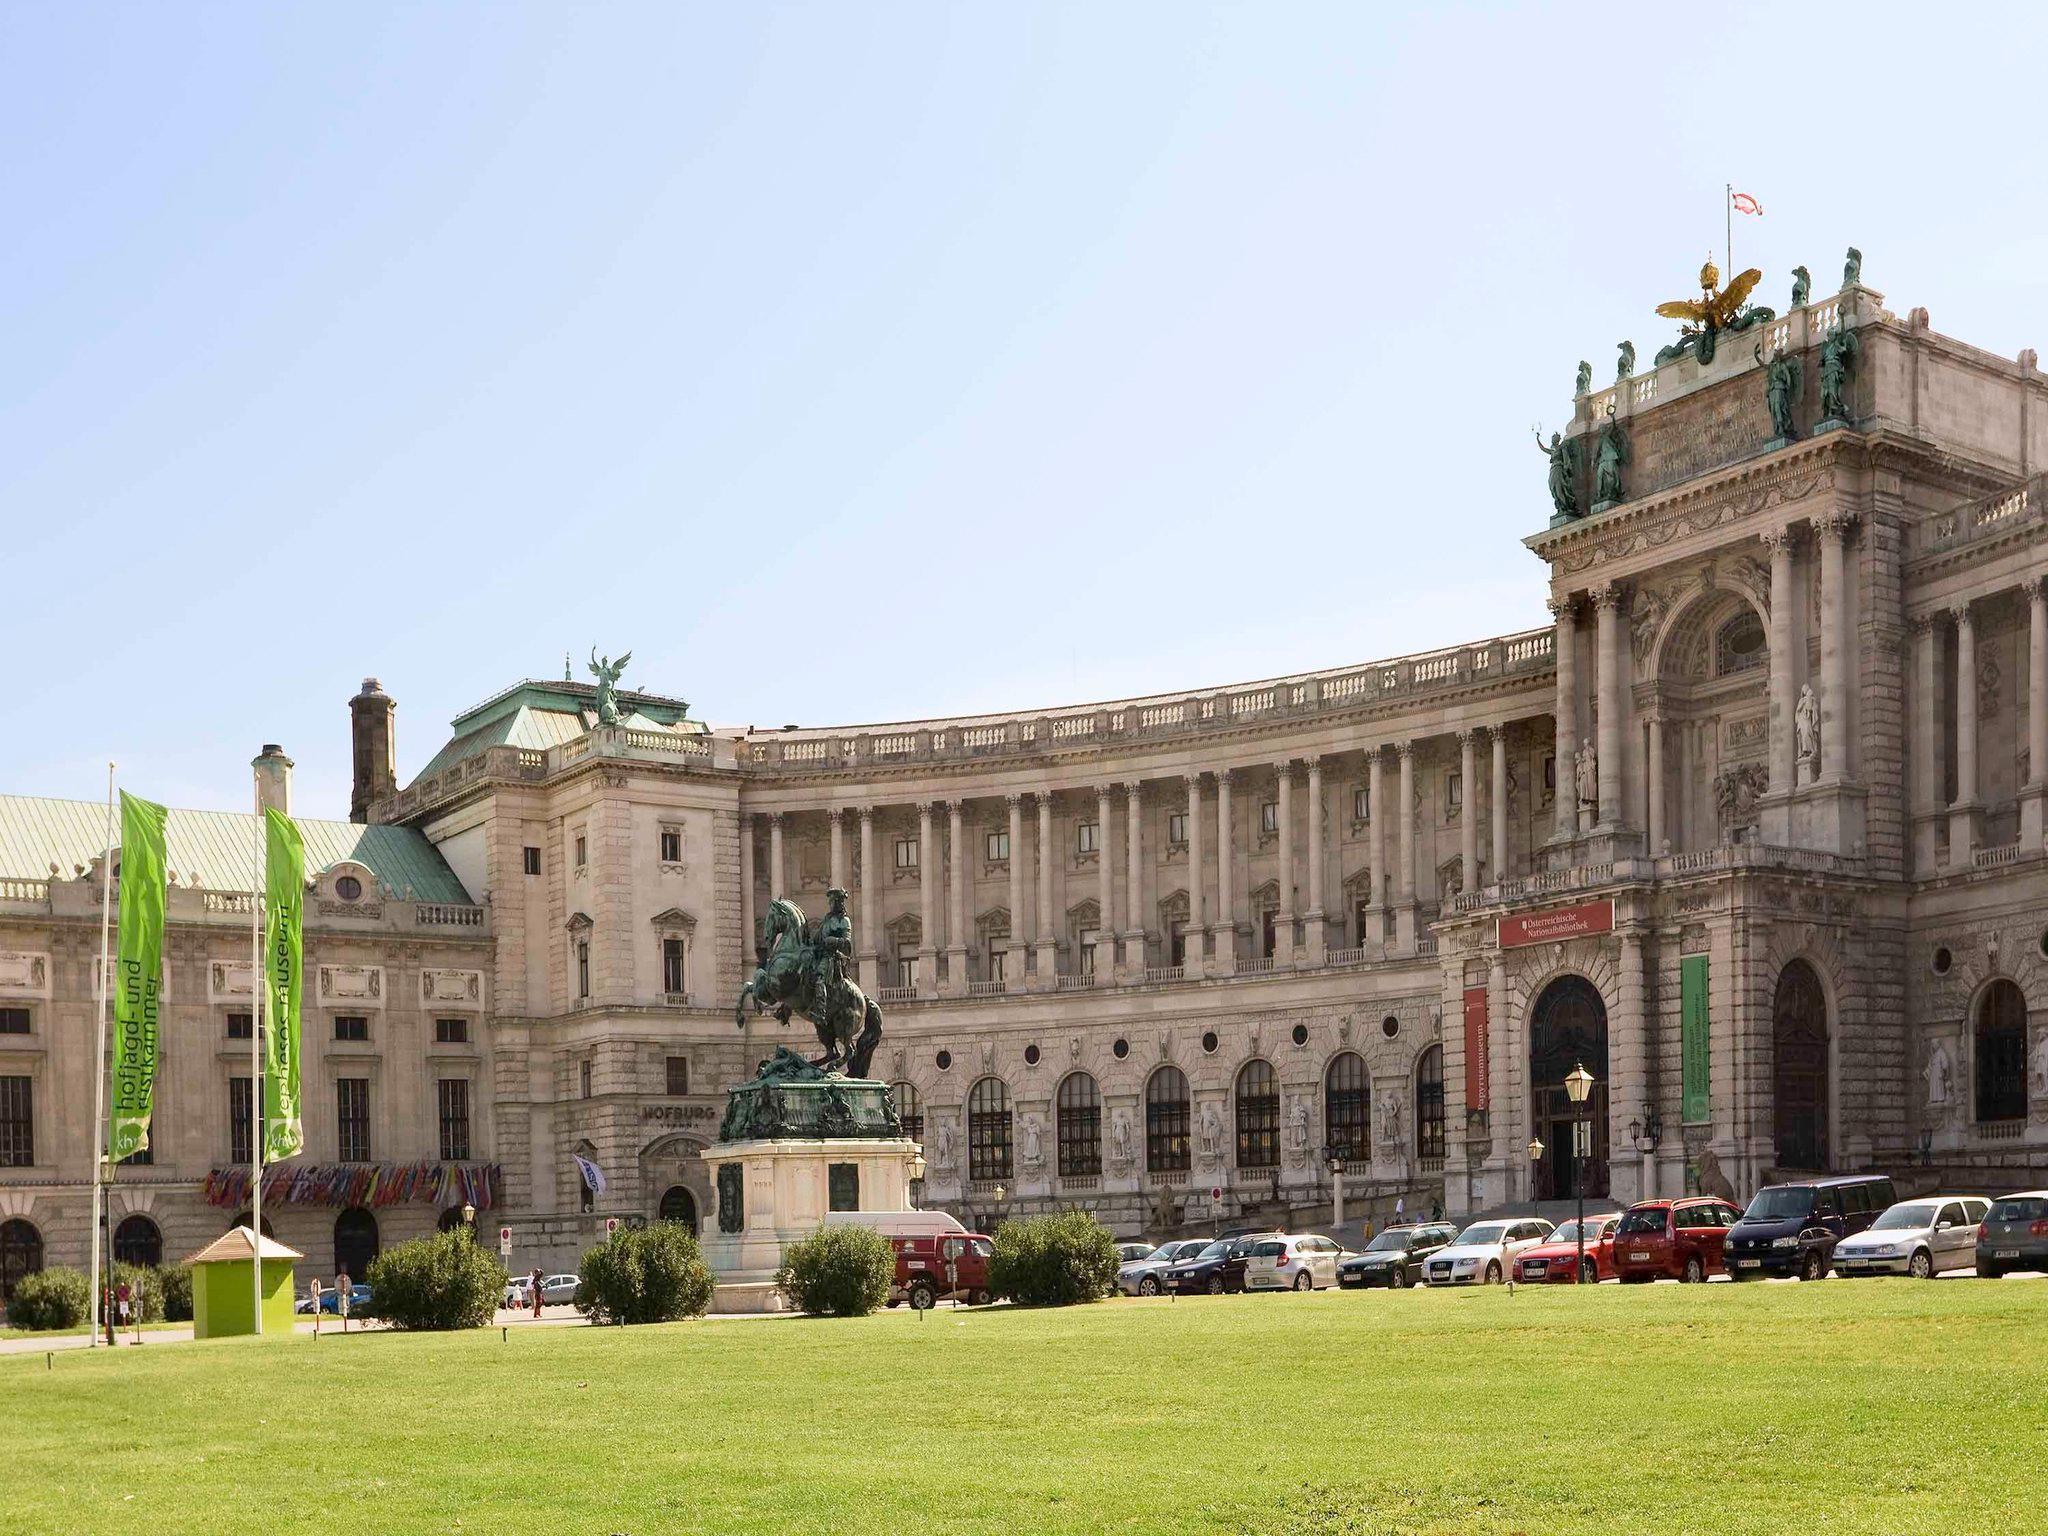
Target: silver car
[(1921, 1238), (1145, 1277)]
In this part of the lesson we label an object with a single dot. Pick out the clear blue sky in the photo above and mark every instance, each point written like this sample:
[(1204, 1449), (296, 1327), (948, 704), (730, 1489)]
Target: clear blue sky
[(1083, 350)]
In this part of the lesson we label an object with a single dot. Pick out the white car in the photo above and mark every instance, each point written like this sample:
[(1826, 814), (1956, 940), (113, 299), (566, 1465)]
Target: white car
[(1292, 1264), (1920, 1238), (1484, 1253)]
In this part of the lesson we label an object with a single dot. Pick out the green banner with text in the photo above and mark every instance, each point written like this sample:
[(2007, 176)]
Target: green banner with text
[(1693, 1030), (284, 1134), (138, 978)]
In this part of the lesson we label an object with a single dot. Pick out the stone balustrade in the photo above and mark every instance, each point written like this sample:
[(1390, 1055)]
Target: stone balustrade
[(1994, 516)]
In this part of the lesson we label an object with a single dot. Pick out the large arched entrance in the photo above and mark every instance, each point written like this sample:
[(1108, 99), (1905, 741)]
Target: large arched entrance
[(355, 1242), (1799, 1072), (680, 1206), (1568, 1030)]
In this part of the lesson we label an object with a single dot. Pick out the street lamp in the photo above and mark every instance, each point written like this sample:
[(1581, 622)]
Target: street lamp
[(469, 1219), (1578, 1084), (1535, 1160)]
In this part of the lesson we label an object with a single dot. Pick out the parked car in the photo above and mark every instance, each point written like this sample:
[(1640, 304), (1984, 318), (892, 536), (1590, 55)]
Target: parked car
[(1294, 1263), (1145, 1277), (359, 1301), (1792, 1229), (2014, 1234), (1551, 1261), (931, 1267), (1395, 1257), (1128, 1252), (516, 1287), (1683, 1239), (1920, 1238), (1484, 1250), (1219, 1267)]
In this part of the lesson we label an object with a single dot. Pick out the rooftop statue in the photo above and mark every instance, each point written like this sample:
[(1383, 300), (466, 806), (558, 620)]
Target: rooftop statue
[(1627, 363), (1585, 380), (1607, 464), (608, 672), (1838, 355), (1802, 287), (1781, 389), (1717, 309), (1852, 269), (1564, 464), (805, 973)]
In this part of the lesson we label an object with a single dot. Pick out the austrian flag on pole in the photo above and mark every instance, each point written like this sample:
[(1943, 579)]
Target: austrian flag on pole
[(1744, 203)]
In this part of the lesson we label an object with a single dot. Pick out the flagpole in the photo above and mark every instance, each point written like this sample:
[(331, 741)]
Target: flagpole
[(1728, 214), (99, 1061), (256, 1059)]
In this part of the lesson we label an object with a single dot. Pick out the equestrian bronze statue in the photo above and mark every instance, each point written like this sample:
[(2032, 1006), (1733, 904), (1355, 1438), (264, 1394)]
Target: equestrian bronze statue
[(805, 973)]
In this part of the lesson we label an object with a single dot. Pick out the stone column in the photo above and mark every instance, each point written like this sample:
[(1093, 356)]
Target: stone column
[(775, 886), (836, 819), (1628, 1057), (1283, 920), (870, 974), (2035, 791), (1928, 806), (1610, 662), (1404, 894), (956, 910), (1784, 669), (1223, 932), (1013, 962), (1196, 927), (1687, 791), (1834, 655), (1468, 813), (1048, 936), (1499, 804), (1315, 930), (1965, 815), (1135, 914), (748, 933), (1655, 769), (1566, 713), (927, 903), (1375, 847), (1105, 899)]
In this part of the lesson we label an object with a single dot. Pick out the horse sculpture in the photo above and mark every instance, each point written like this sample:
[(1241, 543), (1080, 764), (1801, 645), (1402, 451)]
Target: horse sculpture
[(848, 1021)]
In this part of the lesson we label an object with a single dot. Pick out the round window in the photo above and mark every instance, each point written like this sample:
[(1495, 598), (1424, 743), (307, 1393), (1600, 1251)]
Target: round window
[(1300, 1035), (943, 1060), (1030, 1055), (1943, 960), (1209, 1041), (1121, 1049), (1390, 1026), (348, 887)]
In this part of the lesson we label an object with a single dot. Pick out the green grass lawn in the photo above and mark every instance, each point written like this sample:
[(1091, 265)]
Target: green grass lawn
[(1872, 1406)]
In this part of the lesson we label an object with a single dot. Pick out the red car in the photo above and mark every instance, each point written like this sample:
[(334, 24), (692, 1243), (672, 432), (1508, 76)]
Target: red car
[(929, 1268), (1551, 1261), (1678, 1239)]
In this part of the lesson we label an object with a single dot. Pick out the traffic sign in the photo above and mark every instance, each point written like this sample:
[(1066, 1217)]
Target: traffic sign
[(1215, 1192), (504, 1242), (611, 1225)]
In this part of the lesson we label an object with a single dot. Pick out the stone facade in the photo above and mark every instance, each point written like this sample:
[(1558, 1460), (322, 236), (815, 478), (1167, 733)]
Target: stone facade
[(1755, 829)]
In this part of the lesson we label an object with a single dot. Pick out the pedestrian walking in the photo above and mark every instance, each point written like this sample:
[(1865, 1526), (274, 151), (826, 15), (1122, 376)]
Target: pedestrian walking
[(314, 1291), (124, 1304), (1400, 1209), (533, 1282), (343, 1286)]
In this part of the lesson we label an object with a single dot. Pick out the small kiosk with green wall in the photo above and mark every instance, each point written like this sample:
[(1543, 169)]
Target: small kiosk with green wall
[(224, 1294)]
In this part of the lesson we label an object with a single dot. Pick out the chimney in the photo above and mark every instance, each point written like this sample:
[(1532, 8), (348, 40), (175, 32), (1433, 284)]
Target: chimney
[(376, 750), (273, 779)]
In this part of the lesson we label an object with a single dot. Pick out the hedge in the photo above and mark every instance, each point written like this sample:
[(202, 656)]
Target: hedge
[(50, 1298), (440, 1282), (844, 1271), (1053, 1261), (652, 1274)]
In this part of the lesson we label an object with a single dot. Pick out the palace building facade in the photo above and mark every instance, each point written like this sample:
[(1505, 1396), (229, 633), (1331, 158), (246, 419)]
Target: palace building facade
[(1753, 831)]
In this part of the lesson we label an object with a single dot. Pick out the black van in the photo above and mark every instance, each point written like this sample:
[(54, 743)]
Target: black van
[(1792, 1229)]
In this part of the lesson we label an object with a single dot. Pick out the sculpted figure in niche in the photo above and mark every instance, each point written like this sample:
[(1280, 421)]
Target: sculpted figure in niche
[(1297, 1120), (1212, 1132), (943, 1153), (1940, 1076), (1388, 1117), (1587, 772), (1121, 1151), (1806, 724), (1034, 1153), (2041, 1065)]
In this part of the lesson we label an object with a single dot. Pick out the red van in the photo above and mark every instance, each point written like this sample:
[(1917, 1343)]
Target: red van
[(1673, 1239), (930, 1267)]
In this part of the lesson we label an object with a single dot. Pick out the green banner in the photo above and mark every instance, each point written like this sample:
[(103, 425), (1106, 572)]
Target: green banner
[(283, 949), (1693, 1018), (138, 973)]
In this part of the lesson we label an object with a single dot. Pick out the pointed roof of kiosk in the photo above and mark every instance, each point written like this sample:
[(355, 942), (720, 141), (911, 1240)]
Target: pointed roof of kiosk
[(240, 1243)]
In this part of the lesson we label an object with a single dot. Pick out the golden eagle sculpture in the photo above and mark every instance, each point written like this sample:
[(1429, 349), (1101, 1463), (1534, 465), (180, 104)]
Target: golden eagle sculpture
[(1717, 309)]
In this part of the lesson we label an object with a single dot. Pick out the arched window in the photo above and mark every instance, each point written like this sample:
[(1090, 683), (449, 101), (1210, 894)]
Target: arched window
[(1166, 1122), (988, 1130), (138, 1241), (1258, 1115), (1799, 1070), (243, 1220), (1347, 1107), (21, 1254), (1429, 1103), (2001, 1052), (680, 1206), (355, 1242), (1740, 645), (909, 1110), (1079, 1126)]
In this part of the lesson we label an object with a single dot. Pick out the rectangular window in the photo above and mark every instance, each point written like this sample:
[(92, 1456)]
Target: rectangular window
[(17, 1122), (906, 853), (671, 846), (1550, 773), (998, 847), (998, 957), (1269, 819), (351, 1026), (678, 1076), (583, 967), (1177, 829), (451, 1031), (13, 1021), (1088, 940), (1454, 790), (1361, 805), (1087, 837), (532, 860), (238, 1120), (454, 1107), (672, 977), (240, 1025), (906, 965), (1359, 918), (586, 1079), (1177, 942), (352, 1118), (582, 850)]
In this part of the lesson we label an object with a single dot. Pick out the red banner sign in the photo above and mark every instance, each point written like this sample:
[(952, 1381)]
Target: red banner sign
[(1478, 1095), (1555, 923)]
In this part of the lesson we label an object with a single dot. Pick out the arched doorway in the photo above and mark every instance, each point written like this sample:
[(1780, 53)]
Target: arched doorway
[(21, 1254), (355, 1242), (243, 1220), (1799, 1072), (1347, 1108), (2000, 1051), (1568, 1030), (139, 1241), (680, 1206)]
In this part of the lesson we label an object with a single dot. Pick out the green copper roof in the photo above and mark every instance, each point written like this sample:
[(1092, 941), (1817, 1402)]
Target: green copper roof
[(539, 715), (216, 846)]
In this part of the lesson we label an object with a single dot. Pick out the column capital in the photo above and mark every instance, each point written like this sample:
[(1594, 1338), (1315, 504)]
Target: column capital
[(1921, 623), (1404, 750), (1193, 777), (1284, 767), (1960, 612), (1469, 735), (1105, 789), (1015, 799), (1315, 764), (1564, 609), (1609, 594), (775, 817), (1835, 525), (1134, 790), (1780, 541), (867, 815), (2035, 587), (926, 809), (835, 813)]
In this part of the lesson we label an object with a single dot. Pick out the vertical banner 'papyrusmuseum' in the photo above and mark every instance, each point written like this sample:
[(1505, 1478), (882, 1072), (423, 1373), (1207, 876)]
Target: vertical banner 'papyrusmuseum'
[(138, 973), (1693, 1049), (283, 948)]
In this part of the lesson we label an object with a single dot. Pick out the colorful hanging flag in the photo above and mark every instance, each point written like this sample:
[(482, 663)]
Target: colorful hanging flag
[(593, 1176), (283, 951), (138, 973), (1744, 203)]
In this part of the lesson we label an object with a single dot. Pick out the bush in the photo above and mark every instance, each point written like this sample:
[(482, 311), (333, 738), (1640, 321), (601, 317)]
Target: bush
[(654, 1274), (439, 1282), (176, 1282), (1053, 1261), (50, 1298), (844, 1271)]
